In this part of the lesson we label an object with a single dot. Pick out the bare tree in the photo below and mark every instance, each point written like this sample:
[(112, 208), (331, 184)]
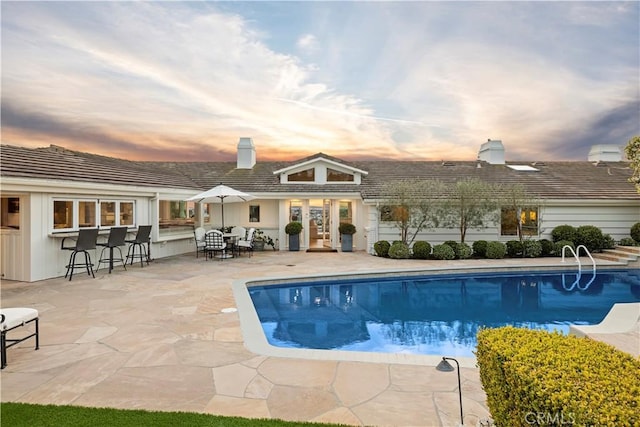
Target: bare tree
[(471, 203), (413, 205)]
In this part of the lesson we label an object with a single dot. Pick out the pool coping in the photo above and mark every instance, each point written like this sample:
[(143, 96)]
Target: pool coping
[(256, 341)]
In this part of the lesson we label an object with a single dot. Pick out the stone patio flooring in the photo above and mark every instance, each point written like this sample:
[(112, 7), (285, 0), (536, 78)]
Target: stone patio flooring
[(158, 338)]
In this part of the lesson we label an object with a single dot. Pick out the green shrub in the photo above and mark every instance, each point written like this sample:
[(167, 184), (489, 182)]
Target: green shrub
[(443, 251), (451, 243), (635, 232), (480, 248), (421, 250), (526, 371), (557, 247), (589, 236), (564, 232), (532, 248), (608, 242), (515, 248), (347, 228), (627, 241), (463, 251), (293, 228), (399, 250), (547, 247), (382, 248), (496, 250)]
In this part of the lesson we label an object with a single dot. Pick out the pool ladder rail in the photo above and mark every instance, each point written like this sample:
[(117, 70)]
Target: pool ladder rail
[(576, 283)]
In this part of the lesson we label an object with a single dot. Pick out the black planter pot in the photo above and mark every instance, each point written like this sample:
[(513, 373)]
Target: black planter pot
[(294, 242), (347, 242)]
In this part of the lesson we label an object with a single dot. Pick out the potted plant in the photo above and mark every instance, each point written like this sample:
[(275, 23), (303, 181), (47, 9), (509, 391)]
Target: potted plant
[(347, 230), (260, 240), (293, 229)]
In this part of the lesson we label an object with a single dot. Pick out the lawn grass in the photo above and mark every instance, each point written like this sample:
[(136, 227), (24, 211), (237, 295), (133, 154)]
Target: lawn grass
[(30, 415)]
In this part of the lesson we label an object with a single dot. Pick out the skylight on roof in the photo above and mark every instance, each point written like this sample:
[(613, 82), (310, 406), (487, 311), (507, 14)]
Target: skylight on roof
[(523, 168)]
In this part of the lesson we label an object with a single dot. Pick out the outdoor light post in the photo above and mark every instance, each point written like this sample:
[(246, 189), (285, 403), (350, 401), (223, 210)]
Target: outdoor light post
[(445, 366)]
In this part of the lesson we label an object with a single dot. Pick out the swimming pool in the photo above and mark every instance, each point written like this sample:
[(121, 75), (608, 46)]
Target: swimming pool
[(432, 314)]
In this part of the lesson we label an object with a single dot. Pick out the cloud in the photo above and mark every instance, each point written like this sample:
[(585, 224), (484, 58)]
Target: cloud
[(418, 80), (307, 43)]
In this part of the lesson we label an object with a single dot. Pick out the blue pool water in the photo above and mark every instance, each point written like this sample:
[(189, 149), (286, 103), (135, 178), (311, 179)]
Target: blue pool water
[(434, 314)]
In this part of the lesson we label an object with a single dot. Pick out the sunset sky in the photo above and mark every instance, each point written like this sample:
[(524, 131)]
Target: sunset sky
[(356, 80)]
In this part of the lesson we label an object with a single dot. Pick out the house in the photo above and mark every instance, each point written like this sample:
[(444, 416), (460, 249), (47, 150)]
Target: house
[(49, 193)]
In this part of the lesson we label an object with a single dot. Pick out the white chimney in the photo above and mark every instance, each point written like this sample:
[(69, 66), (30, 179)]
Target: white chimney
[(605, 153), (492, 152), (246, 154)]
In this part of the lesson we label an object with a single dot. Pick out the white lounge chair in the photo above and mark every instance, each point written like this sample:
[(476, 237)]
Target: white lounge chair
[(13, 318)]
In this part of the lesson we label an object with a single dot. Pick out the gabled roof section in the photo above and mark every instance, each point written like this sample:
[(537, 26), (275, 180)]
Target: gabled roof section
[(321, 157), (59, 163)]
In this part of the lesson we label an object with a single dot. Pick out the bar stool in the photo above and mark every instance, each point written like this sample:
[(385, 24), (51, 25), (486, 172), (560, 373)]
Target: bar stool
[(85, 242), (116, 239), (142, 238)]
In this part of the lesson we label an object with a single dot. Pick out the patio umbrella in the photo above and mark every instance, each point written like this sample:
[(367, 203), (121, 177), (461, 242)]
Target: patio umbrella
[(221, 194)]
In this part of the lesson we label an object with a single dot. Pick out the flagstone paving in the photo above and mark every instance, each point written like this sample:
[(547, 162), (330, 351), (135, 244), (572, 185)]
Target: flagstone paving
[(163, 338)]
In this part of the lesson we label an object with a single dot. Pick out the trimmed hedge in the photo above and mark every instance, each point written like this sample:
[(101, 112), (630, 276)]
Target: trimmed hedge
[(515, 248), (564, 232), (382, 248), (463, 251), (532, 248), (635, 232), (557, 248), (589, 236), (443, 251), (496, 250), (399, 250), (480, 248), (547, 247), (421, 249), (527, 374)]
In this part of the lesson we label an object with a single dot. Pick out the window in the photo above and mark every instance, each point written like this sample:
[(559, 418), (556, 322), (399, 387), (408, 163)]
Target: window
[(62, 214), (107, 214), (126, 213), (386, 213), (176, 216), (70, 215), (295, 211), (346, 214), (10, 208), (528, 220), (308, 175), (254, 213), (337, 176)]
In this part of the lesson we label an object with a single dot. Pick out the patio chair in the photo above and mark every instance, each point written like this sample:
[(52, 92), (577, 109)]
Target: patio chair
[(198, 235), (239, 231), (13, 318), (85, 242), (139, 243), (247, 244), (117, 236), (214, 242)]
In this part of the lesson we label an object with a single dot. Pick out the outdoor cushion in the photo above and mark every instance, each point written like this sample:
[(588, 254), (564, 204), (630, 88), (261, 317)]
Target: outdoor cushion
[(17, 317)]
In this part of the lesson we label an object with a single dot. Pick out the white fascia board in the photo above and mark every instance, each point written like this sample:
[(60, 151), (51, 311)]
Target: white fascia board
[(318, 160), (310, 195), (30, 185)]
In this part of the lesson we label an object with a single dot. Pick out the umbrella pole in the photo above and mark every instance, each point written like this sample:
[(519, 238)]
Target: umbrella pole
[(222, 211)]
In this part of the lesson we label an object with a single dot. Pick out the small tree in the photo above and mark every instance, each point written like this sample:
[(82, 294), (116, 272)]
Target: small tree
[(517, 199), (471, 204), (632, 150), (413, 205)]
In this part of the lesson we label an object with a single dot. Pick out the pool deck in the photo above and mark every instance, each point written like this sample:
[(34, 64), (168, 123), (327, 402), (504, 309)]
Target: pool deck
[(159, 338)]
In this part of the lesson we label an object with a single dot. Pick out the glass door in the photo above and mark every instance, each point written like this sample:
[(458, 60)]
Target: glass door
[(319, 223)]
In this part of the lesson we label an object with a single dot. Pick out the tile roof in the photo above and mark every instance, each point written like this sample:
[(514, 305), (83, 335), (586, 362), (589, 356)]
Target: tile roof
[(557, 180)]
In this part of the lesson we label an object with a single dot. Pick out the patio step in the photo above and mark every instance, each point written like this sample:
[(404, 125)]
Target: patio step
[(623, 254)]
